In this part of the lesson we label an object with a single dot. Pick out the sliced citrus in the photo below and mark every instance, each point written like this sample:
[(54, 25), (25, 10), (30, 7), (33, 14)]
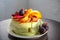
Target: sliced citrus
[(31, 13), (36, 13), (24, 19), (28, 12)]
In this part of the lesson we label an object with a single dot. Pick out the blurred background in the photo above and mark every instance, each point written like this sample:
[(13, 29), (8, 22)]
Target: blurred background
[(49, 8)]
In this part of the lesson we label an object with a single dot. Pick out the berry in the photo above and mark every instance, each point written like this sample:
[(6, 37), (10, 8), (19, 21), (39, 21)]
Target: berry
[(42, 29), (17, 17), (47, 28), (45, 25), (13, 14), (16, 13), (21, 12)]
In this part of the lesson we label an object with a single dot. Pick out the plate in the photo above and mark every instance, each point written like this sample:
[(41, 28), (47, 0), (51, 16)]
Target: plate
[(19, 36)]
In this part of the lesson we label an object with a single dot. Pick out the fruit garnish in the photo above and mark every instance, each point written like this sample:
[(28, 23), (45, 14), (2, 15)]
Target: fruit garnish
[(21, 12), (45, 25), (36, 14), (42, 30), (24, 19), (16, 13), (29, 20), (16, 19), (25, 10), (34, 19), (31, 13), (27, 15), (28, 12), (13, 14), (17, 16)]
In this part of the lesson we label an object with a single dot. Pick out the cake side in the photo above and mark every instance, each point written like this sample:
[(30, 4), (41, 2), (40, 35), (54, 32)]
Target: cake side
[(28, 22), (25, 28)]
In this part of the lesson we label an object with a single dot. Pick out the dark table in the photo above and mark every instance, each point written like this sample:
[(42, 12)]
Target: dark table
[(53, 32)]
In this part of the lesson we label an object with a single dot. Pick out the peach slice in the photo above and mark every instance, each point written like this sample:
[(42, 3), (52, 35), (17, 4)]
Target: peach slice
[(34, 19), (24, 19), (29, 19), (31, 13), (28, 12), (36, 14)]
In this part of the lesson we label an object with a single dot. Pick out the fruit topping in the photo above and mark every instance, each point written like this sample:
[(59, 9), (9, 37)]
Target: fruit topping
[(36, 14), (28, 12), (45, 25), (34, 19), (42, 30), (13, 14), (16, 13), (24, 19), (26, 15), (21, 12), (29, 19)]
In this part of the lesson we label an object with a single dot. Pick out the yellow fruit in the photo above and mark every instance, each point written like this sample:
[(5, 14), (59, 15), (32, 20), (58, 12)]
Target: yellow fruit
[(36, 14), (28, 12), (34, 19), (24, 19), (26, 15), (29, 19), (31, 13)]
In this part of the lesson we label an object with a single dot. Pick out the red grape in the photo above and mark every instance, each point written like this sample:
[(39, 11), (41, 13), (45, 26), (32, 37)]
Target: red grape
[(21, 12), (42, 30)]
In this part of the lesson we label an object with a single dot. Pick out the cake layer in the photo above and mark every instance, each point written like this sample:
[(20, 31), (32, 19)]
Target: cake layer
[(30, 28)]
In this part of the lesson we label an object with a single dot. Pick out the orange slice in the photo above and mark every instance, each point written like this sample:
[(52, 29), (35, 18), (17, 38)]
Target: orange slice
[(28, 12), (36, 14), (24, 19), (31, 13)]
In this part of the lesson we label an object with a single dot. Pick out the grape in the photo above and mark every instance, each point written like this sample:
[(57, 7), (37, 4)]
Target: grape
[(45, 25), (42, 29), (21, 12)]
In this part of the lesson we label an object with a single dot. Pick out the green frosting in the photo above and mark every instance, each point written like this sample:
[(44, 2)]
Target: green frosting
[(25, 29)]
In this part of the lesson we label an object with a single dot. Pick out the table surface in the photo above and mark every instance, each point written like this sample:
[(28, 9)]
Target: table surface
[(53, 32)]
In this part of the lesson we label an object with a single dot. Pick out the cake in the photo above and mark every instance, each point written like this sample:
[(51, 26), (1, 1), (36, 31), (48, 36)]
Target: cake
[(28, 22)]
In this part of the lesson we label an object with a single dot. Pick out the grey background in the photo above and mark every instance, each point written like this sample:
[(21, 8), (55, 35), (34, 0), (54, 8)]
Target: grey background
[(7, 7), (49, 8)]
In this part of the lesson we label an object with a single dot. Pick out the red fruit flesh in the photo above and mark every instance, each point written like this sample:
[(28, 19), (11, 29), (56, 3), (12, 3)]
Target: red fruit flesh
[(16, 13), (17, 17), (14, 17), (13, 14)]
